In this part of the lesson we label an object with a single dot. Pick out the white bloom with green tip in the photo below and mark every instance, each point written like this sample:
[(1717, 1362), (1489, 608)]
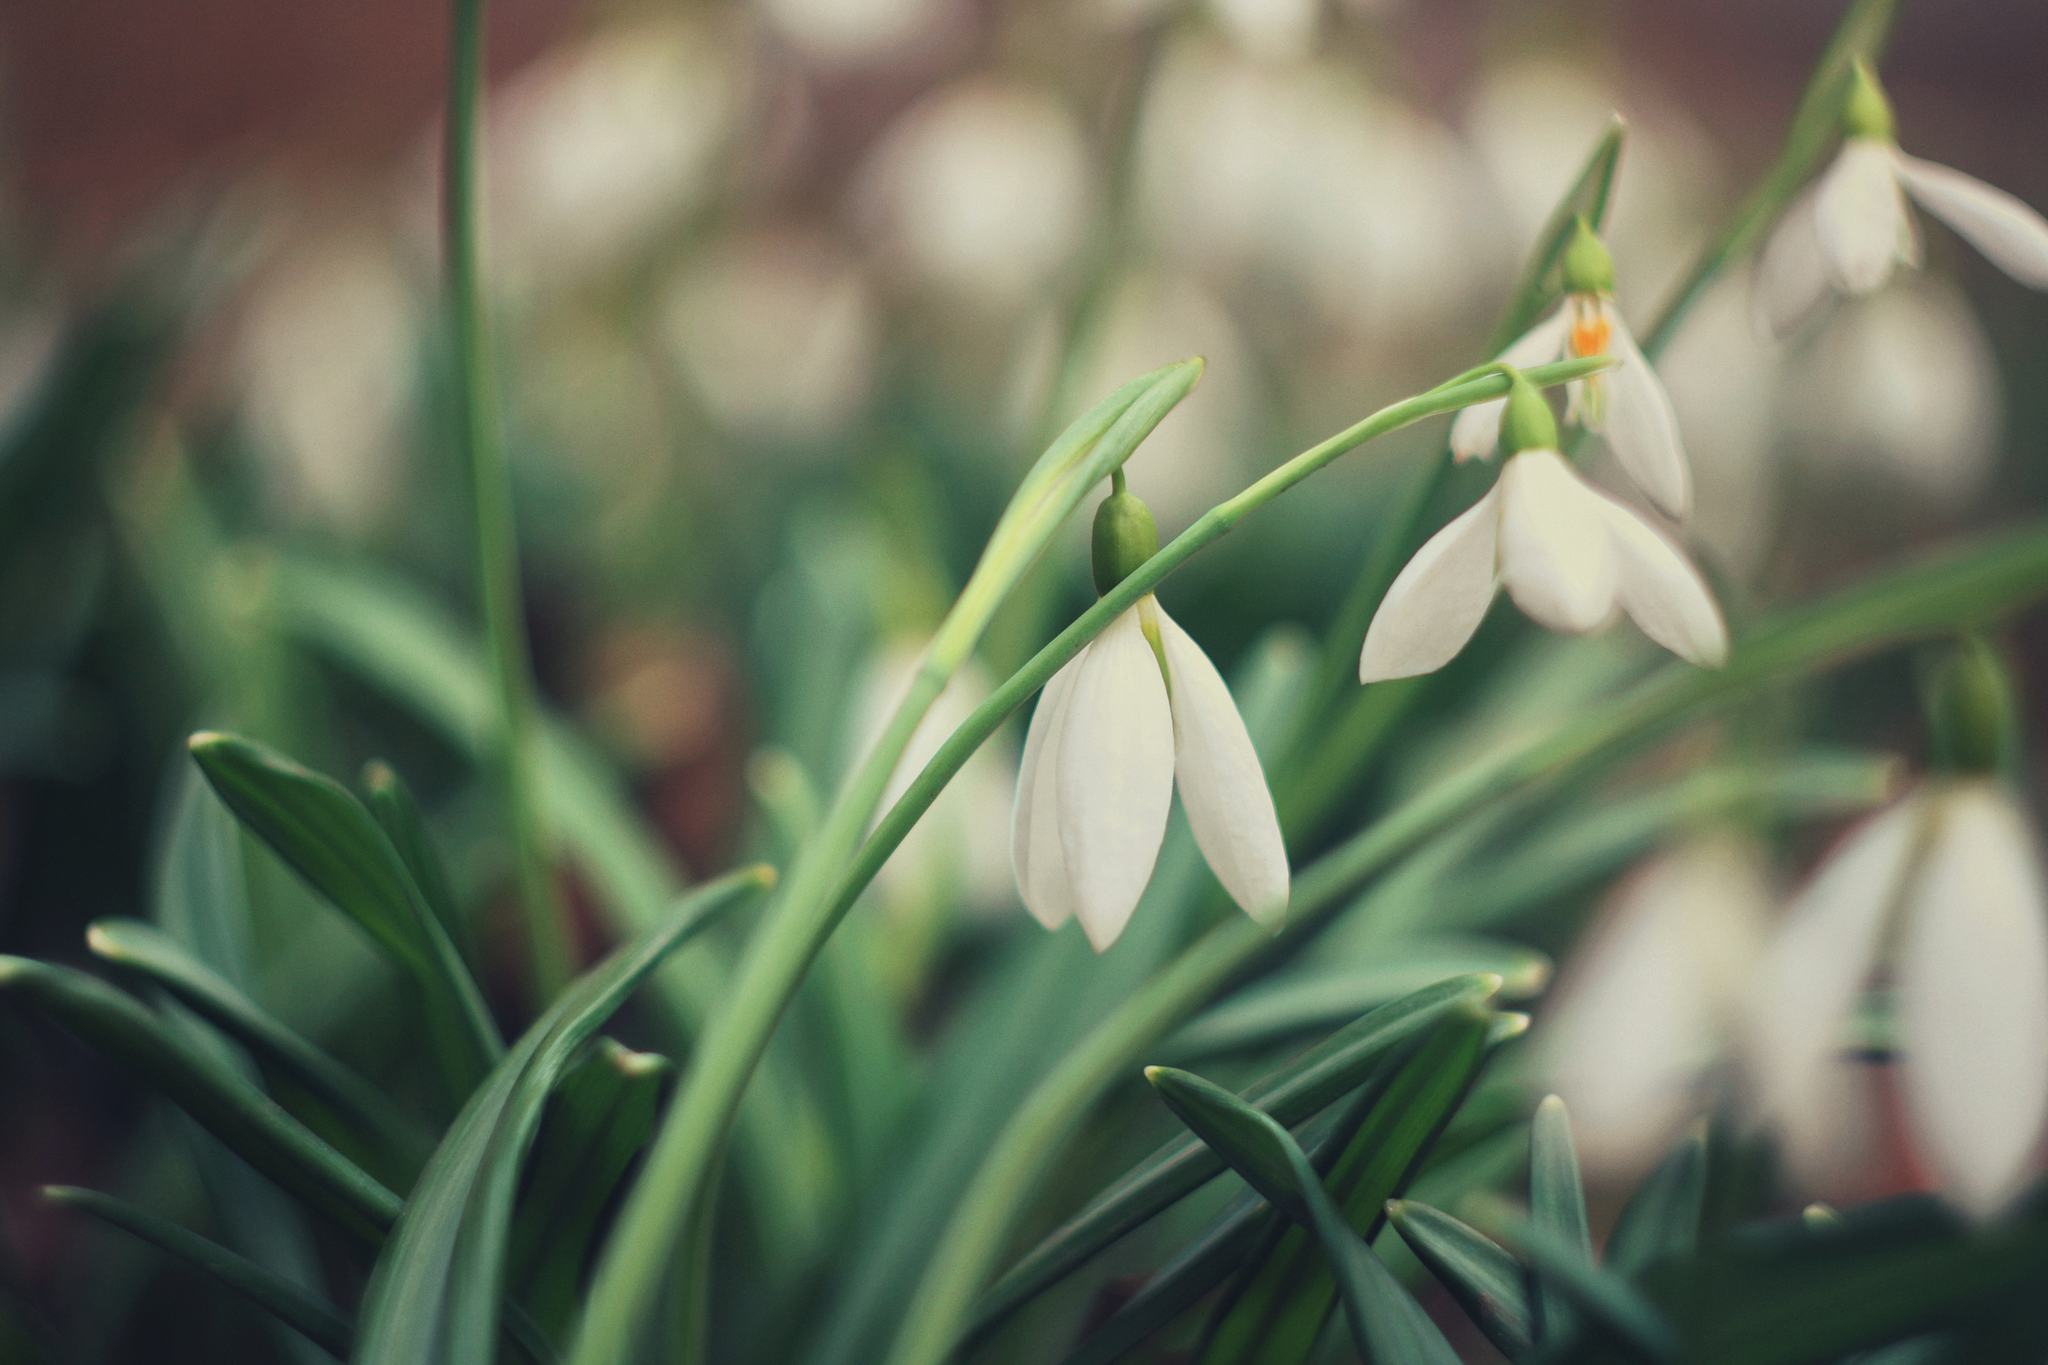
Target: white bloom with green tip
[(1571, 557), (1627, 405), (1138, 711), (1853, 228)]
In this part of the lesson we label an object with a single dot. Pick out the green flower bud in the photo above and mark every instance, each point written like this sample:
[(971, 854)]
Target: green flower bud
[(1588, 267), (1527, 424), (1125, 537), (1865, 110), (1971, 709)]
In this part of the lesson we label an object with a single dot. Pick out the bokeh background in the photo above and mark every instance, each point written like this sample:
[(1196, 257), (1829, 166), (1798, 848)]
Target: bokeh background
[(782, 292)]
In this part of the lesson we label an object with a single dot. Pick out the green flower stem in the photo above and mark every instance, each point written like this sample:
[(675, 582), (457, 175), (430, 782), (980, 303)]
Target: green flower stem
[(1926, 600), (497, 545), (685, 1155), (822, 887)]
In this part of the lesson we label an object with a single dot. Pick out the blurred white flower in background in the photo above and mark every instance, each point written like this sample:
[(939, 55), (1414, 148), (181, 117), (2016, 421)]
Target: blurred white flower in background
[(1300, 173), (1725, 387), (1944, 891), (1532, 125), (598, 149), (857, 32), (1649, 1002), (957, 857), (1274, 29), (775, 331), (325, 355), (981, 191), (1904, 388)]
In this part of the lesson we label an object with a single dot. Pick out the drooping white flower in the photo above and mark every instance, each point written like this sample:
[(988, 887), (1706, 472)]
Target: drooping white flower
[(1136, 713), (1627, 404), (1852, 229), (1570, 556), (1945, 888), (1651, 999)]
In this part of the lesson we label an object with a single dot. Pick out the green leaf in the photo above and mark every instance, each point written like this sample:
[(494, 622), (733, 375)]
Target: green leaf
[(1599, 1301), (1387, 1325), (1662, 1219), (314, 1318), (332, 841), (197, 1081), (1275, 1009), (598, 1119), (397, 811), (1282, 1300), (149, 954), (1293, 1093), (435, 1291), (1489, 1284), (1557, 1207)]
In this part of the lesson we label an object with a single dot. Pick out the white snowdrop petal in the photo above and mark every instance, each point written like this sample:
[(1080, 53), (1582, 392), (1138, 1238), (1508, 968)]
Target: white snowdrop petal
[(1662, 592), (1475, 431), (1035, 853), (1792, 275), (1820, 961), (2012, 235), (1860, 215), (1973, 999), (1222, 786), (1642, 429), (1438, 600), (1113, 778), (1556, 556)]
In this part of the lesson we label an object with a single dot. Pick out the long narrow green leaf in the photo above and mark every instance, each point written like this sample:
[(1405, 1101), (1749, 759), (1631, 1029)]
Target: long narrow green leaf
[(1281, 1303), (1662, 1219), (435, 1291), (1291, 1094), (1488, 1283), (599, 1118), (1387, 1325), (151, 955), (1274, 1010), (1600, 1301), (331, 840), (397, 811), (224, 1103), (314, 1318), (1557, 1206)]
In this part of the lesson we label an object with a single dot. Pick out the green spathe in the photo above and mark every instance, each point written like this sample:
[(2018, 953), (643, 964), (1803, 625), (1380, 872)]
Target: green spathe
[(1125, 536), (1971, 709), (1866, 111)]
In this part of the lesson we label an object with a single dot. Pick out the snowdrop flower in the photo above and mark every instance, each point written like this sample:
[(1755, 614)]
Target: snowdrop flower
[(1137, 712), (1570, 556), (1944, 893), (1851, 230), (1652, 999), (1627, 404)]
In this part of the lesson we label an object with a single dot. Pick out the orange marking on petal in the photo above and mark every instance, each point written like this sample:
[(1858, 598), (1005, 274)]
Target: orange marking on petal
[(1590, 336)]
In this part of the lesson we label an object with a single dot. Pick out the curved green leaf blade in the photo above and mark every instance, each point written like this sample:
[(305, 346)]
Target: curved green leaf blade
[(317, 1320), (1334, 1067), (1662, 1218), (391, 800), (332, 841), (223, 1102), (147, 953), (1557, 1207), (1387, 1325), (1489, 1284), (435, 1291), (1607, 1303)]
